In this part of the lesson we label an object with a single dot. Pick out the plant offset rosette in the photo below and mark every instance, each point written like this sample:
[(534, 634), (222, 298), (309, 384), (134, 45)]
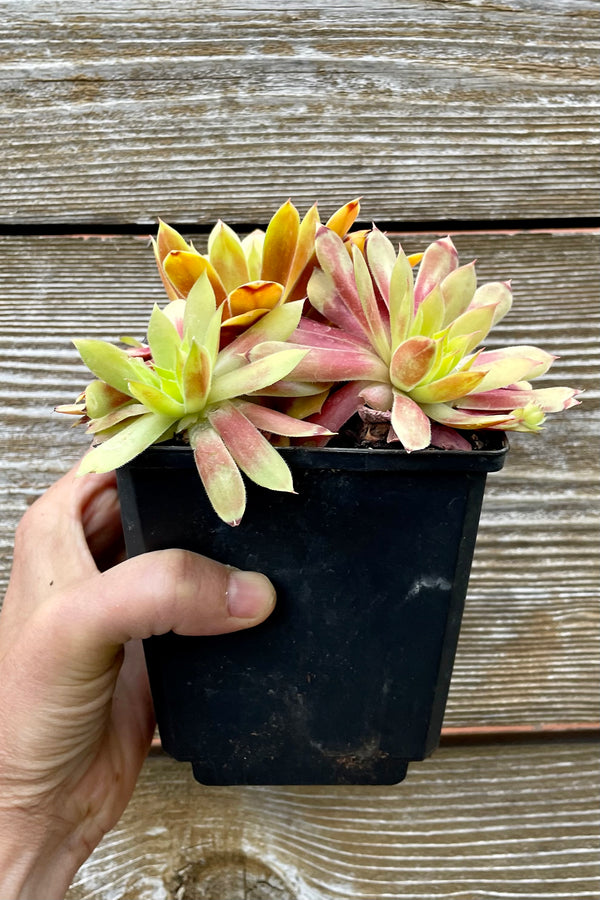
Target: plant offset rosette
[(408, 349), (253, 275), (181, 382)]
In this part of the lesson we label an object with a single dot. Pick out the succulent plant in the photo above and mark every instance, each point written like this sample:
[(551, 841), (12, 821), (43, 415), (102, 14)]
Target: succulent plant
[(286, 335), (406, 349), (254, 274), (182, 382)]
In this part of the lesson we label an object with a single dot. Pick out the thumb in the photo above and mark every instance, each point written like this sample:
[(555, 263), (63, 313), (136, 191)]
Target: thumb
[(150, 594)]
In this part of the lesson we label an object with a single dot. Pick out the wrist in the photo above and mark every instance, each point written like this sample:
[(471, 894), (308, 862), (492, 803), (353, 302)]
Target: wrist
[(34, 866)]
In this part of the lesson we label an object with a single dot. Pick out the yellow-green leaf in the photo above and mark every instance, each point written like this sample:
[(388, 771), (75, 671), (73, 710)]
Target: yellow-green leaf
[(199, 309), (255, 376), (163, 339), (304, 256), (276, 325), (109, 363), (475, 322), (253, 248), (452, 387), (155, 400), (128, 443), (101, 399), (430, 314), (196, 378), (457, 290), (401, 299), (227, 256)]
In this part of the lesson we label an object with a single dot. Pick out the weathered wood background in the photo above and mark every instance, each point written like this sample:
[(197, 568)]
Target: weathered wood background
[(477, 117)]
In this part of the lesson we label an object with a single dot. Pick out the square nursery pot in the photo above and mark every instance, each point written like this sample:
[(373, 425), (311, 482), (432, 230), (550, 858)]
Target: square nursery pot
[(347, 681)]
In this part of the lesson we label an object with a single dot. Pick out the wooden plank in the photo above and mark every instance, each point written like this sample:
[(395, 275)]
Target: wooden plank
[(518, 821), (116, 111), (529, 650)]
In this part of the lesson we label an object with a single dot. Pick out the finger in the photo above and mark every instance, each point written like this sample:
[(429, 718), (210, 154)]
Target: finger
[(101, 521), (132, 707), (51, 551), (151, 594), (73, 490), (51, 531)]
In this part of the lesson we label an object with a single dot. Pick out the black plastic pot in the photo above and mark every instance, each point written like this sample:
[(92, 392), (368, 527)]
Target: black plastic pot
[(347, 681)]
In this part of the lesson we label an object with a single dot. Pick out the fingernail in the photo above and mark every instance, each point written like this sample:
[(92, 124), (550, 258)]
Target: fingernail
[(249, 595)]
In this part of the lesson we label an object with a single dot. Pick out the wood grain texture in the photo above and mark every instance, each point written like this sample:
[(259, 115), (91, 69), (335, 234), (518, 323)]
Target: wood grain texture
[(516, 822), (530, 649), (116, 111)]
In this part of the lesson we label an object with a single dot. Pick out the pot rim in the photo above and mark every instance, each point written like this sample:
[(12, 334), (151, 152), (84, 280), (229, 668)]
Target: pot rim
[(490, 458)]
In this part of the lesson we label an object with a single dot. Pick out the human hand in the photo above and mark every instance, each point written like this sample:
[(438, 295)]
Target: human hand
[(76, 716)]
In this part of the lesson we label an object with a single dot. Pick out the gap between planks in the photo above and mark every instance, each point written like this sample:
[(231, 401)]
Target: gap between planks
[(105, 230), (453, 736)]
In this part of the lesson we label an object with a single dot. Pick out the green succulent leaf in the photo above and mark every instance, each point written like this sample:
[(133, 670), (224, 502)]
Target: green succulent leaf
[(289, 388), (103, 423), (474, 322), (254, 376), (196, 378), (200, 309), (155, 399), (127, 444), (111, 364), (212, 336), (402, 300), (455, 385), (494, 292), (102, 399), (458, 289), (277, 325), (381, 257), (163, 339), (429, 318), (130, 341), (171, 387)]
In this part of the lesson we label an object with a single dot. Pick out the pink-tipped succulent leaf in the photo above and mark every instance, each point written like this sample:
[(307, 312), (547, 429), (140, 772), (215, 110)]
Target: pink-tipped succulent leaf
[(424, 335), (238, 363), (188, 385)]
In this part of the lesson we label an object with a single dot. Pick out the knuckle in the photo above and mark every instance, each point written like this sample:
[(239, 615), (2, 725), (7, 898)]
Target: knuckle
[(179, 573), (191, 576)]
